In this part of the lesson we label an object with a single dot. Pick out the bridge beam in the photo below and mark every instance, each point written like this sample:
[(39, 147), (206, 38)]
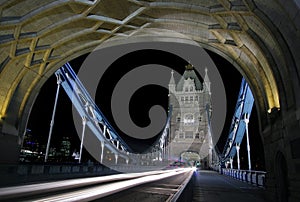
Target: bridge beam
[(238, 156), (231, 162), (102, 151), (116, 158), (82, 137), (246, 119), (53, 116)]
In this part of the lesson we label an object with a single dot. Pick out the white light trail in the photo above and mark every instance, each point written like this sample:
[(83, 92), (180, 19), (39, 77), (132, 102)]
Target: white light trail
[(100, 191)]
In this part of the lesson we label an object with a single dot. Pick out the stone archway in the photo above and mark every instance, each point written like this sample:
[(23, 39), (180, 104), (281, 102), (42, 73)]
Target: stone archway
[(260, 38), (190, 156)]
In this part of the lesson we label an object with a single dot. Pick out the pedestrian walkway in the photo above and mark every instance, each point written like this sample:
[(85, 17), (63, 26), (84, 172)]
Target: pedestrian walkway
[(210, 186)]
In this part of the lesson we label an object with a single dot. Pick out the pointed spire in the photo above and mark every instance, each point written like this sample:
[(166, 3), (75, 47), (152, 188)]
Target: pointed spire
[(172, 80), (172, 84), (189, 73), (206, 80)]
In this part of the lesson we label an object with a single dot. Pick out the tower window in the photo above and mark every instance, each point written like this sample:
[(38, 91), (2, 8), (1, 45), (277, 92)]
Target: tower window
[(197, 136), (191, 88), (186, 89), (189, 119), (196, 98), (176, 133), (178, 119), (189, 134), (202, 134), (200, 118)]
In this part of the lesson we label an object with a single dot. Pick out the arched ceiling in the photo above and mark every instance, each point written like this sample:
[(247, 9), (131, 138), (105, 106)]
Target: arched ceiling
[(37, 37)]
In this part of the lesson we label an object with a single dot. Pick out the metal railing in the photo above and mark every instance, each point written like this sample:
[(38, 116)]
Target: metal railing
[(253, 177)]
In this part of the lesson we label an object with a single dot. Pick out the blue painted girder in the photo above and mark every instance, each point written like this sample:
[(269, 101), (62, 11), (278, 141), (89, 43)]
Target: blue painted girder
[(237, 130), (87, 108), (96, 121)]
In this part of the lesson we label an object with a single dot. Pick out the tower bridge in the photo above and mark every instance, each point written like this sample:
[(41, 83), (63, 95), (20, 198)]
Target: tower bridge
[(189, 123), (259, 38), (193, 99)]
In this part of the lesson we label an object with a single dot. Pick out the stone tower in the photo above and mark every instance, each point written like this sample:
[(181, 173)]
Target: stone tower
[(190, 101)]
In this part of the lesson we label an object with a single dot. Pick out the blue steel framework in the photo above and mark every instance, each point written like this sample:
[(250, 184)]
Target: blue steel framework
[(239, 126), (98, 124), (96, 121)]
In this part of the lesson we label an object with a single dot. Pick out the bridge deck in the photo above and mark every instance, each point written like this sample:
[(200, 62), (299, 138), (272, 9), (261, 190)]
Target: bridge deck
[(213, 187)]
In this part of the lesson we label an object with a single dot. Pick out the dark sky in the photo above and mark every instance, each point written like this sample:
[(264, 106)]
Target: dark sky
[(145, 97), (41, 113)]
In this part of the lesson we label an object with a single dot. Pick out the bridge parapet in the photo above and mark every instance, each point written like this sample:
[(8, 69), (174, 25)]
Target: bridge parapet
[(24, 173), (251, 176)]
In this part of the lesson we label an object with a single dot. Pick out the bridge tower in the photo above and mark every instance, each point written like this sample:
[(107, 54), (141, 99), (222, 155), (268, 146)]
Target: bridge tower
[(190, 101)]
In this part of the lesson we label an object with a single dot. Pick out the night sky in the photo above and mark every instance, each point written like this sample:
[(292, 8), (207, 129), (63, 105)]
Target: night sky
[(39, 120)]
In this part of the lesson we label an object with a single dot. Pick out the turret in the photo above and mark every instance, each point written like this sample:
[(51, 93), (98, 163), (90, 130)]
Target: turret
[(207, 82), (172, 84)]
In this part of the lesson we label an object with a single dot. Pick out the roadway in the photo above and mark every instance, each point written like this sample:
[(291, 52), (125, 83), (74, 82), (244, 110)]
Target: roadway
[(158, 191), (210, 186), (207, 186), (94, 188), (154, 186)]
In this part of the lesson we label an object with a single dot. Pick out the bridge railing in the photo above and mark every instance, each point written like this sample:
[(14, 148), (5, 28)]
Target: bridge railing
[(16, 174), (253, 177)]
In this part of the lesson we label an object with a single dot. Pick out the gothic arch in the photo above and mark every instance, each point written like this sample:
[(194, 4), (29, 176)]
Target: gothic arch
[(260, 38)]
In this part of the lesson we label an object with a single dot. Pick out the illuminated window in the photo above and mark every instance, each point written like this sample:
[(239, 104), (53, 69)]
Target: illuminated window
[(202, 135), (176, 133), (189, 119)]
